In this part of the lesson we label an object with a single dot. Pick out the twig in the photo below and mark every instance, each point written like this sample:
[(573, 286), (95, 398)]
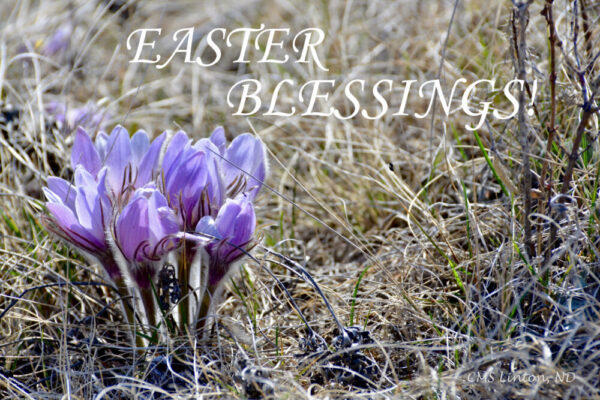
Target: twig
[(59, 284), (588, 111), (587, 31), (521, 12), (550, 127), (301, 271), (587, 107)]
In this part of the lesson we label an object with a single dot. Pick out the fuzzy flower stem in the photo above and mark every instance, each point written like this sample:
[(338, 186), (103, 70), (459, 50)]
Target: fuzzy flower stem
[(205, 307), (128, 310), (184, 267), (149, 308)]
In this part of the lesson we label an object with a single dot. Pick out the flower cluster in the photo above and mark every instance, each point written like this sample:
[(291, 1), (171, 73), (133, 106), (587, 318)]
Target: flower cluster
[(135, 204), (88, 116)]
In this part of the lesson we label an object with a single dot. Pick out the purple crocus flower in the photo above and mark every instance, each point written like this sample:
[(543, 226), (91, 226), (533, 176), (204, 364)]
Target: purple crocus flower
[(192, 181), (244, 160), (132, 162), (88, 116), (199, 177), (216, 188), (59, 41), (144, 232), (116, 213), (81, 213), (231, 233)]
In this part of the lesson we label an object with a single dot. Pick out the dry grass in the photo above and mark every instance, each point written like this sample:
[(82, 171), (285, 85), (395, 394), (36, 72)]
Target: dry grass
[(400, 221)]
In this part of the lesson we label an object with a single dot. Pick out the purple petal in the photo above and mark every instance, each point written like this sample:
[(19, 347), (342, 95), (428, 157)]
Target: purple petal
[(65, 219), (176, 145), (88, 205), (147, 227), (245, 224), (161, 218), (59, 41), (55, 108), (218, 138), (246, 157), (132, 227), (118, 158), (207, 226), (101, 143), (236, 223), (85, 208), (187, 175), (216, 185), (104, 201), (84, 177), (157, 199), (63, 215), (225, 221), (64, 190), (185, 183), (78, 116), (52, 197), (148, 167), (139, 146), (84, 153)]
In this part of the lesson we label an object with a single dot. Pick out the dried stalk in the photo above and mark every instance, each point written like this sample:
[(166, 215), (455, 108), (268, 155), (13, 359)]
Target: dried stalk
[(520, 13), (550, 128)]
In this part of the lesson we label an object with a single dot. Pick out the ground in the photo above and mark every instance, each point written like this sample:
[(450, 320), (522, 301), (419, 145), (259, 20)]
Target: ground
[(452, 264)]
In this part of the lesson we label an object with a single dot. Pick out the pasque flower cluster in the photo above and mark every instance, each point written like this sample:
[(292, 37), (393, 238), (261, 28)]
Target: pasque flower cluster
[(136, 204)]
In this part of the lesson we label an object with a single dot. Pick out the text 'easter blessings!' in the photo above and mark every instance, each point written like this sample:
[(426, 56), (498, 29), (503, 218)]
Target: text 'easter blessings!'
[(314, 94)]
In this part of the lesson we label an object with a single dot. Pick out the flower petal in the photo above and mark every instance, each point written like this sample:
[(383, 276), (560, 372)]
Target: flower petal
[(71, 228), (63, 189), (161, 219), (225, 221), (84, 177), (216, 186), (132, 227), (235, 223), (245, 224), (207, 226), (88, 204), (246, 157), (185, 183), (118, 157), (101, 143), (140, 143), (84, 153), (59, 41), (176, 145), (218, 138), (52, 197), (78, 116), (105, 206), (148, 167)]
